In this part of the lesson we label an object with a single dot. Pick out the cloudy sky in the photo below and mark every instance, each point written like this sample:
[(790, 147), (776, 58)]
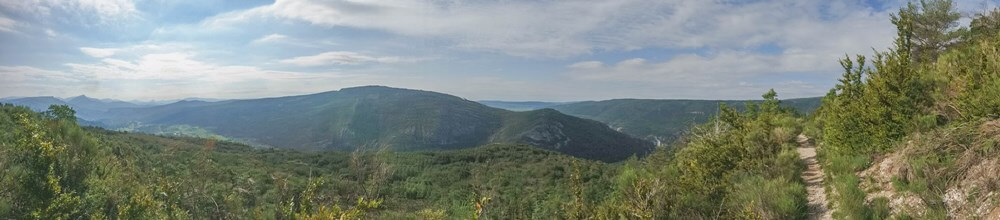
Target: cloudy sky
[(507, 50)]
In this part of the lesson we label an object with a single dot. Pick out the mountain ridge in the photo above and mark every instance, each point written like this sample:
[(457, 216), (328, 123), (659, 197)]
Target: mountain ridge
[(402, 119), (662, 120)]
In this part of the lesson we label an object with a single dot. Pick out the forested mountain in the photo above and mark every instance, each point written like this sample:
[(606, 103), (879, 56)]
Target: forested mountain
[(54, 169), (662, 121), (519, 106), (87, 108), (84, 102), (375, 116), (654, 120)]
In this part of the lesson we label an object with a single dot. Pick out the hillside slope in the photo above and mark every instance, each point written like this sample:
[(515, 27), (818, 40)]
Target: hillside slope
[(101, 173), (913, 134), (662, 121), (375, 116), (519, 106)]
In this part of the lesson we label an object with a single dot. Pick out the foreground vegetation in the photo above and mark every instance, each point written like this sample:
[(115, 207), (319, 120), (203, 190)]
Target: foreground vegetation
[(662, 121), (399, 119), (743, 166), (56, 169), (919, 111)]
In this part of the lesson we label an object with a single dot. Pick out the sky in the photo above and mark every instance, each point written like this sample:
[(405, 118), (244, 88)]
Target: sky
[(499, 50)]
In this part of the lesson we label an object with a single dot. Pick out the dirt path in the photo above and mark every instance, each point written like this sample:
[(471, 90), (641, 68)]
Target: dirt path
[(813, 175)]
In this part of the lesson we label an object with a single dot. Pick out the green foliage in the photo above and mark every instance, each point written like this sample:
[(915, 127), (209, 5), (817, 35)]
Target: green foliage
[(61, 112), (58, 170), (873, 106), (849, 198), (432, 214), (46, 164), (985, 25), (757, 198), (401, 119), (936, 160), (519, 106), (550, 129), (662, 121), (973, 81), (745, 167), (303, 206), (880, 208), (174, 130), (934, 78), (931, 26)]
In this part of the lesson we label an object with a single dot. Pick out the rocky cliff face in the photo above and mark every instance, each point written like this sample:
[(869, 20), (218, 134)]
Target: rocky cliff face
[(548, 135)]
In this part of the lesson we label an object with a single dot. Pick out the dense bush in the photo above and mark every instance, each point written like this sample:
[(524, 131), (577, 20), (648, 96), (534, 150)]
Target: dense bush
[(934, 76), (55, 169), (743, 165)]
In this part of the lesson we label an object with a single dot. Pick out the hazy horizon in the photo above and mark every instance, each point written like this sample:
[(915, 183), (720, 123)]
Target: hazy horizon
[(261, 97)]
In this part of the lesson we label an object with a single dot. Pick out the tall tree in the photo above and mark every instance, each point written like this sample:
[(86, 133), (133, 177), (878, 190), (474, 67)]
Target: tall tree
[(985, 24), (933, 27), (63, 112), (867, 115)]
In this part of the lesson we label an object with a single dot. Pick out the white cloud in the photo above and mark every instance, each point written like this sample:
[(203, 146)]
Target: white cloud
[(285, 40), (7, 24), (109, 8), (133, 81), (719, 42), (270, 38), (99, 52), (32, 81), (136, 50), (734, 74), (27, 73), (791, 43), (169, 75), (586, 65), (570, 28), (343, 58), (691, 68), (176, 66), (104, 10)]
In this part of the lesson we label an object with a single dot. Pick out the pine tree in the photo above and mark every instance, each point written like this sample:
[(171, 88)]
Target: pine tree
[(932, 26)]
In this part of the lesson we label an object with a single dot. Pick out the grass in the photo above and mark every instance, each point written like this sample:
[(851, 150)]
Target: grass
[(848, 197), (934, 161)]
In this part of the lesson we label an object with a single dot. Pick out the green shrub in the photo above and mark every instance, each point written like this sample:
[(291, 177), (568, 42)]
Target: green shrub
[(754, 197)]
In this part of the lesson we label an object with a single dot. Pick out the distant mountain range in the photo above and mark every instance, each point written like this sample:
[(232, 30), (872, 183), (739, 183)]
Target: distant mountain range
[(662, 121), (86, 107), (89, 108), (410, 120), (657, 120), (168, 101), (371, 116), (520, 106)]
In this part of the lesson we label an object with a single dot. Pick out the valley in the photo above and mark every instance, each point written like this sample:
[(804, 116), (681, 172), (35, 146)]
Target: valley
[(430, 122)]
